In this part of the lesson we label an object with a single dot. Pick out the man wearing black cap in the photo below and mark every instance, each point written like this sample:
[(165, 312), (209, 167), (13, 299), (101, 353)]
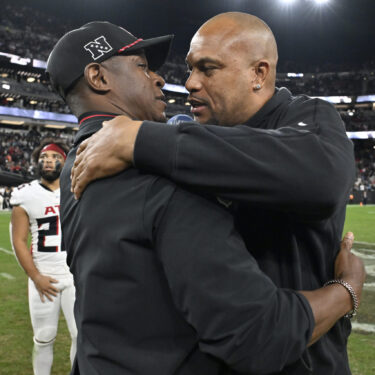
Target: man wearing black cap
[(165, 285)]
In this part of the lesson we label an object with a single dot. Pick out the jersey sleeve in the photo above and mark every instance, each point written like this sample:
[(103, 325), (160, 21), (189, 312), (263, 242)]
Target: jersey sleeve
[(239, 315), (16, 198), (305, 166)]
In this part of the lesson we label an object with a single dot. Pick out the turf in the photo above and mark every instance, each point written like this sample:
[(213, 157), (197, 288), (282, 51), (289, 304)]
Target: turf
[(16, 333)]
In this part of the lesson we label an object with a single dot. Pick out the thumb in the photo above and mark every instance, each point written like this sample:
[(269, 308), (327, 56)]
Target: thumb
[(349, 236), (347, 241)]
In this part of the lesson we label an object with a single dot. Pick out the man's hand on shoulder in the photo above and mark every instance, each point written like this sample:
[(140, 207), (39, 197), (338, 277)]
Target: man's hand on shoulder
[(107, 152)]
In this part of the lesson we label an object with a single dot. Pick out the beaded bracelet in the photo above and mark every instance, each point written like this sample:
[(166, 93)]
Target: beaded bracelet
[(351, 291)]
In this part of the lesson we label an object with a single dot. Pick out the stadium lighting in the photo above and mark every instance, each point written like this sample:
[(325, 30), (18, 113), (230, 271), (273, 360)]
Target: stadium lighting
[(187, 103), (10, 99), (55, 126), (12, 122), (33, 102), (5, 86), (30, 79), (288, 1), (171, 101), (319, 2)]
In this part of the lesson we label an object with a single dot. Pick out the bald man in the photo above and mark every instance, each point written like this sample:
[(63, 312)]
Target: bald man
[(283, 165)]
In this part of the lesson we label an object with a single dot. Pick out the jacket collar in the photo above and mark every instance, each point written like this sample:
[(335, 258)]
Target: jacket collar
[(280, 96), (90, 123)]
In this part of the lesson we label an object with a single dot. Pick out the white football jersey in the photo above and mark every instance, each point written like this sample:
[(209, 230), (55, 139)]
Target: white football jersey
[(43, 208)]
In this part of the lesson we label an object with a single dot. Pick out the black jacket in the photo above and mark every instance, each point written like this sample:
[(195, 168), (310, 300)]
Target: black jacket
[(286, 175), (165, 285)]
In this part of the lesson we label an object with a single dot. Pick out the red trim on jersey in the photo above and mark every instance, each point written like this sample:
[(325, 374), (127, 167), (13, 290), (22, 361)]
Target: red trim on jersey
[(86, 118), (57, 229), (129, 45), (54, 147)]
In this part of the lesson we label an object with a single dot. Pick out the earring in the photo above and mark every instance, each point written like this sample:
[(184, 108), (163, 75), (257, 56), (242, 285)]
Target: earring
[(257, 87)]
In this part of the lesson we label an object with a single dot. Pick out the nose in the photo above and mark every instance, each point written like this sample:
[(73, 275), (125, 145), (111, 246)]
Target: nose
[(193, 83), (159, 80)]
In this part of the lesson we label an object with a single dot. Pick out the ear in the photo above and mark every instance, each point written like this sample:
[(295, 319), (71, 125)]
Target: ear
[(262, 69), (97, 77)]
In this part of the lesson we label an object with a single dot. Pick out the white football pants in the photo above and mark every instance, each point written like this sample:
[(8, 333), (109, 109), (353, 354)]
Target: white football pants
[(45, 318)]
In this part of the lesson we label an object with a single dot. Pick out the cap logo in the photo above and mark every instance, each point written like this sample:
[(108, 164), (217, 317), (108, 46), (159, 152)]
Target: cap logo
[(98, 47)]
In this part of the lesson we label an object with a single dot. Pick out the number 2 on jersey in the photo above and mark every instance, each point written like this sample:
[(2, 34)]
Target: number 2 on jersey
[(53, 230)]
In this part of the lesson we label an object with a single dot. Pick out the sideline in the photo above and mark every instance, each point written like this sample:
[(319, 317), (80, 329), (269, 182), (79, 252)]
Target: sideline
[(363, 327)]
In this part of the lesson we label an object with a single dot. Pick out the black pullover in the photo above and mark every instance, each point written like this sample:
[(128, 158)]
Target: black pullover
[(286, 176), (165, 284)]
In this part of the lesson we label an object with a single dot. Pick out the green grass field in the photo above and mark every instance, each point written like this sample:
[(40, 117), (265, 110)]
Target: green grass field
[(15, 327)]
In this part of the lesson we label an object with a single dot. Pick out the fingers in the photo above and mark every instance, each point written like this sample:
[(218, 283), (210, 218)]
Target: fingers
[(349, 235), (49, 297), (82, 147), (81, 180), (347, 241), (47, 289), (41, 295), (76, 170), (47, 294), (78, 183), (52, 289)]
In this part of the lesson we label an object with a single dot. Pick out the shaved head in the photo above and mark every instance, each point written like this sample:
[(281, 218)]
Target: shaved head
[(232, 59), (245, 31)]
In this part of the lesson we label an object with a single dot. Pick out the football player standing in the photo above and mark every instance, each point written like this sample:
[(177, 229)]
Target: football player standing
[(36, 210)]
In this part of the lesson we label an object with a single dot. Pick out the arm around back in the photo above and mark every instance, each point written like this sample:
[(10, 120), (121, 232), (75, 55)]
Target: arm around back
[(302, 162), (238, 313)]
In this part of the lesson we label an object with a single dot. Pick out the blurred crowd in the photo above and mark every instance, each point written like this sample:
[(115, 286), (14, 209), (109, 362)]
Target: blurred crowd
[(28, 32), (16, 148), (365, 165), (32, 34)]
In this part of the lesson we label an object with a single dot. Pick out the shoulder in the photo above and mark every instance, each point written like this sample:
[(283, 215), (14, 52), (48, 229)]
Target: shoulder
[(311, 113), (21, 193), (311, 105)]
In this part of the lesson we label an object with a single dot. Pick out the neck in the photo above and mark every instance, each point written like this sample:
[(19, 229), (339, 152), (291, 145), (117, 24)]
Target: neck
[(260, 101), (53, 185), (108, 106)]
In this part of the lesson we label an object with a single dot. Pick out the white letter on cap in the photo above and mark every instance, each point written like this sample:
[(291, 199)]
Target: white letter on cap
[(98, 47)]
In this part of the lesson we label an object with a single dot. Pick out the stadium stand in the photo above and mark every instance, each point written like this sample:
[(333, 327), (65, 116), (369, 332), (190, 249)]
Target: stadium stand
[(29, 109)]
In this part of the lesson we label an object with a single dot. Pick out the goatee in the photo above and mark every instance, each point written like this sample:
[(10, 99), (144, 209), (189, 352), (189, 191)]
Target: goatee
[(50, 176)]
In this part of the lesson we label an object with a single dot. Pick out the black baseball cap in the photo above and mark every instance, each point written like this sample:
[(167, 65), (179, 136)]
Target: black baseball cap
[(95, 42)]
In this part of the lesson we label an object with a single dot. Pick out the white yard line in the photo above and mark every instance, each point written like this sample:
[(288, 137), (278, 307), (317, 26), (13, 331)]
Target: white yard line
[(370, 270), (7, 276), (362, 255), (6, 251), (363, 243), (363, 327)]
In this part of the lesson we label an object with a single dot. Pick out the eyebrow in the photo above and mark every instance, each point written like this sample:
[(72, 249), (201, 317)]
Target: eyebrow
[(206, 60)]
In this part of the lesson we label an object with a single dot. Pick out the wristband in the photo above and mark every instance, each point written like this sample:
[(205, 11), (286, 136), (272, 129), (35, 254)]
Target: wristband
[(351, 291)]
